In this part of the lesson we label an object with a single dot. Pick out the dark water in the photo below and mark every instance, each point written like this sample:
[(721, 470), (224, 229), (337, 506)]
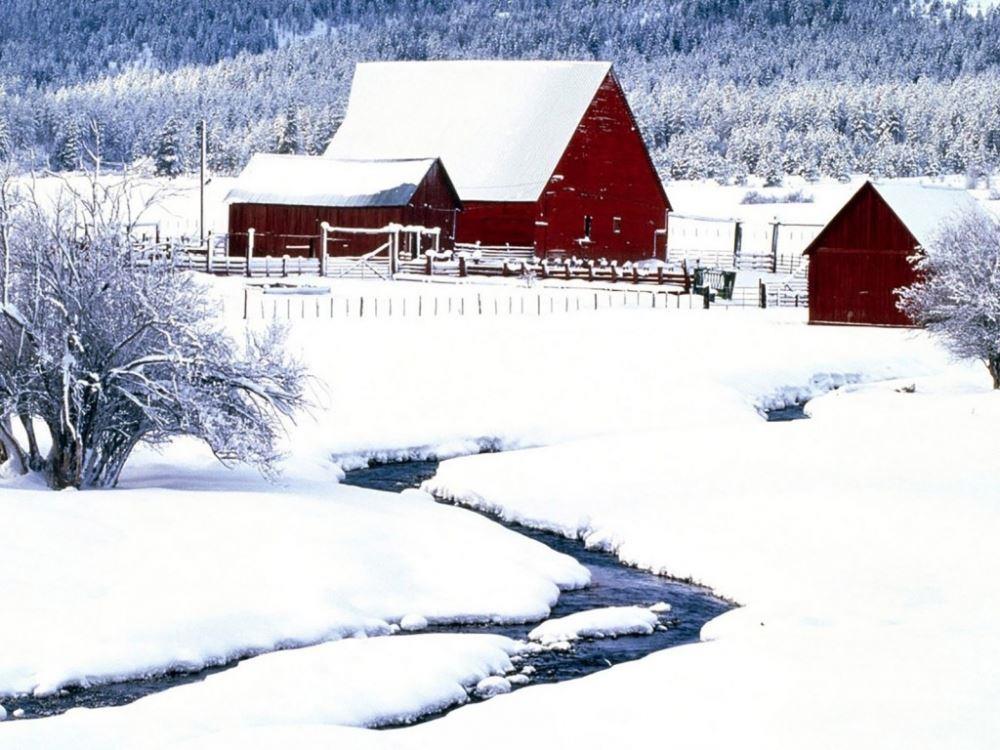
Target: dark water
[(612, 584), (787, 413)]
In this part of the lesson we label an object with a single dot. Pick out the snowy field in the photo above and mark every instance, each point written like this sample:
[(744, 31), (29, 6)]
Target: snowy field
[(859, 542)]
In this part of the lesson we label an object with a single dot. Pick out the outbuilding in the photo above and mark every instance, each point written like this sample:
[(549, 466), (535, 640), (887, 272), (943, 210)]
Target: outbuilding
[(861, 257), (285, 199), (543, 154)]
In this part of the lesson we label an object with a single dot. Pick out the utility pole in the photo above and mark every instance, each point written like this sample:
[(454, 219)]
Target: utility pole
[(201, 182)]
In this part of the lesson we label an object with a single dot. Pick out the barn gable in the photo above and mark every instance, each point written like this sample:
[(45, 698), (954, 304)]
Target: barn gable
[(500, 127), (607, 176)]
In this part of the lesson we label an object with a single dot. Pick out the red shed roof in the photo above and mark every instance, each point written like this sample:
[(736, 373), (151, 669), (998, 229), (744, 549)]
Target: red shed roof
[(316, 181), (922, 209)]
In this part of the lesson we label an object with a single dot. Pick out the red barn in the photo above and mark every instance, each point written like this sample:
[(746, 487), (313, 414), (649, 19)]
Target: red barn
[(543, 154), (860, 257), (285, 199)]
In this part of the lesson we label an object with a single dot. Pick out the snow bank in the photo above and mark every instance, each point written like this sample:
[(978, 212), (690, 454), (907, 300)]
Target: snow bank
[(860, 541), (358, 682), (606, 622), (110, 584)]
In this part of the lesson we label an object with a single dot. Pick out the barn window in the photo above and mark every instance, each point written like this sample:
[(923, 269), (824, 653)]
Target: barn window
[(616, 224), (588, 223)]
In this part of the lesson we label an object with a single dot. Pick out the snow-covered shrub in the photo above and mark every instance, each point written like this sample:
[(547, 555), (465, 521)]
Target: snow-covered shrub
[(958, 296), (107, 350), (755, 197)]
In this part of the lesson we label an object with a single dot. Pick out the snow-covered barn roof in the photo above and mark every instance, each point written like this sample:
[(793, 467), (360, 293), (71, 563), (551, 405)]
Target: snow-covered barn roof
[(923, 209), (500, 127), (317, 181)]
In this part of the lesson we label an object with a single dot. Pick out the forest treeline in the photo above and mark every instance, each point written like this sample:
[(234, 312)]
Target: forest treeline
[(721, 88)]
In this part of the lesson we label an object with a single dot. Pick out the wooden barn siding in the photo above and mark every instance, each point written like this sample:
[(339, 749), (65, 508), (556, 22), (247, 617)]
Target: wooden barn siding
[(433, 205), (497, 223), (858, 262), (606, 172)]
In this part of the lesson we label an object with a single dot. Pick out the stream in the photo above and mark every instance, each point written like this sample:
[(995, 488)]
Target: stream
[(612, 584)]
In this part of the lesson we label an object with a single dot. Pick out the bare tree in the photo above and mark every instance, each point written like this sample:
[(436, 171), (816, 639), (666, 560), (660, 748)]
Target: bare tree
[(107, 348), (958, 295)]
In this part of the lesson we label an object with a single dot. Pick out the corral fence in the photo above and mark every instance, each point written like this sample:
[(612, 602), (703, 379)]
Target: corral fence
[(768, 247), (286, 304)]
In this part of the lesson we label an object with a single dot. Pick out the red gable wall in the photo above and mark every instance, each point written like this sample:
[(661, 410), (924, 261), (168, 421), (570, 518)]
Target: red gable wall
[(604, 173), (857, 262)]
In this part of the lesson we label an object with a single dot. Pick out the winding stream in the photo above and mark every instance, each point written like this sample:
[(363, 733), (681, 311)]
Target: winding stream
[(612, 584)]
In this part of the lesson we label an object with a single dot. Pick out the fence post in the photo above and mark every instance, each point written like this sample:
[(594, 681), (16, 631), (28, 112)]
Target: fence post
[(707, 298), (737, 242), (462, 270), (246, 301), (762, 290), (325, 227), (250, 240), (775, 225), (284, 266)]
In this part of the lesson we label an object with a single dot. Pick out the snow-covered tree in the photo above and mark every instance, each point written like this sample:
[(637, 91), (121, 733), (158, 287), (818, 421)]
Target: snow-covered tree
[(108, 349), (167, 158), (69, 146), (288, 131), (958, 296)]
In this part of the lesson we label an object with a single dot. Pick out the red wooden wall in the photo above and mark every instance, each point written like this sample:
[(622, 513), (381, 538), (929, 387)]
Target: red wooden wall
[(279, 229), (604, 173), (857, 262), (497, 223)]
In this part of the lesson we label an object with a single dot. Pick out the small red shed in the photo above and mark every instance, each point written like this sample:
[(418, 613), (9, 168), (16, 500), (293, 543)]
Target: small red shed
[(860, 258), (286, 198), (543, 154)]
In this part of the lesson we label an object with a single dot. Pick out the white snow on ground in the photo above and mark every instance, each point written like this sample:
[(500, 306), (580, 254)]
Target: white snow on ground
[(862, 539), (606, 622), (354, 682), (109, 584)]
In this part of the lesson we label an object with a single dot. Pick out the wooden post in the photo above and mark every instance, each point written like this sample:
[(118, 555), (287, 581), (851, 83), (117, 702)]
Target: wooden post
[(246, 301), (479, 302), (463, 271), (737, 242), (324, 234), (775, 225), (762, 291), (706, 298), (250, 241), (201, 187)]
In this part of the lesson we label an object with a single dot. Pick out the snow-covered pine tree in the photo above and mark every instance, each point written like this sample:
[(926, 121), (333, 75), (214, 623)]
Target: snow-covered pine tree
[(68, 147), (288, 131), (167, 158), (958, 296), (6, 142)]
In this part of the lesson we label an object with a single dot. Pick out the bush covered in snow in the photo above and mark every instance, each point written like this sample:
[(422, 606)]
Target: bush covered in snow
[(755, 197), (107, 349), (958, 298)]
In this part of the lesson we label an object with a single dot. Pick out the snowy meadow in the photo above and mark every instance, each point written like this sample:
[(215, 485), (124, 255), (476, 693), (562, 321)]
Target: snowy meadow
[(857, 541)]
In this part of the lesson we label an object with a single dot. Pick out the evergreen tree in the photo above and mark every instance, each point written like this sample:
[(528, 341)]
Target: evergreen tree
[(68, 147), (167, 158), (288, 131)]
